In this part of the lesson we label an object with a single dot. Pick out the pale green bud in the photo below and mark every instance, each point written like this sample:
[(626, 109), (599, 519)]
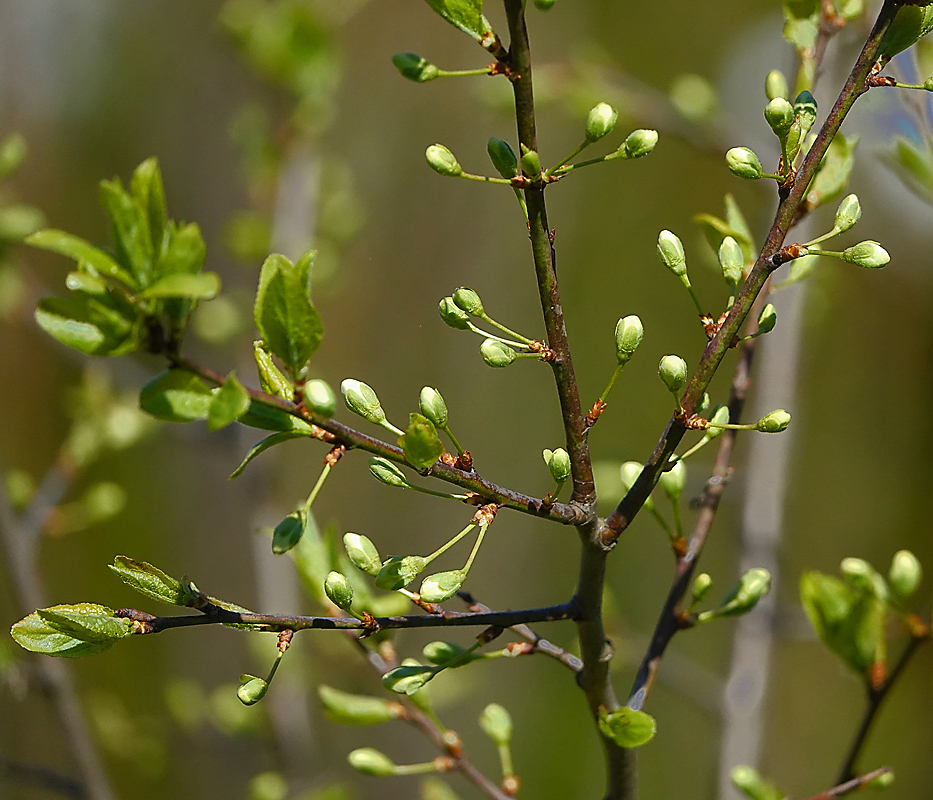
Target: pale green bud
[(780, 116), (639, 143), (748, 780), (442, 161), (928, 85), (882, 781), (453, 316), (496, 724), (531, 163), (673, 481), (776, 85), (467, 300), (743, 163), (433, 406), (338, 590), (629, 473), (408, 678), (861, 575), (673, 373), (442, 586), (503, 157), (720, 417), (496, 354), (775, 422), (414, 67), (702, 584), (732, 261), (869, 254), (319, 398), (905, 573), (752, 586), (767, 319), (371, 762), (287, 533), (362, 553), (558, 462), (362, 401), (271, 378), (355, 709), (703, 404), (544, 5), (601, 120), (629, 333), (848, 213), (439, 653), (252, 690), (398, 572), (386, 472), (805, 111), (671, 253)]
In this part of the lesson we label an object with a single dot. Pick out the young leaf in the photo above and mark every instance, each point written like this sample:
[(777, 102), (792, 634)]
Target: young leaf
[(92, 325), (129, 227), (176, 396), (87, 622), (12, 153), (150, 581), (914, 164), (38, 636), (185, 252), (268, 418), (407, 679), (355, 709), (202, 286), (230, 402), (467, 15), (834, 171), (420, 442), (265, 444), (81, 251), (312, 559), (627, 727), (149, 194)]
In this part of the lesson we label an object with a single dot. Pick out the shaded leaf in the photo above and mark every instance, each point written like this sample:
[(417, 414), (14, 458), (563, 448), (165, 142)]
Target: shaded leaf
[(202, 286), (129, 228), (312, 559), (420, 442), (914, 164), (92, 325), (407, 679), (909, 26), (150, 581), (12, 153), (265, 444), (81, 251), (627, 727), (176, 396), (268, 418), (230, 402), (466, 15)]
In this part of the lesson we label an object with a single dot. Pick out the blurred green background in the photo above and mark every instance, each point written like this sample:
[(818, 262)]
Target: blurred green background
[(95, 87)]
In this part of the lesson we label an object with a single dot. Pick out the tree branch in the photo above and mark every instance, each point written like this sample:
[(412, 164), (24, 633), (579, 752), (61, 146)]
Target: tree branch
[(850, 786)]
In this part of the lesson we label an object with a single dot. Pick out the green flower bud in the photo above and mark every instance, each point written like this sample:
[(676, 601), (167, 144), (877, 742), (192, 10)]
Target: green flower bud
[(544, 5), (252, 690), (928, 85), (531, 162), (767, 319), (870, 255), (732, 261), (496, 724), (442, 586), (704, 403), (882, 781), (558, 462), (752, 586), (780, 116), (271, 379), (442, 161), (386, 472), (905, 573), (747, 780), (338, 590), (398, 572), (600, 121), (776, 85), (775, 422), (408, 678), (702, 584), (805, 111), (639, 143), (673, 373), (287, 533), (848, 213), (453, 316), (720, 417), (440, 653), (355, 709), (673, 481), (503, 157), (467, 300), (496, 354), (743, 163), (629, 472), (433, 406), (319, 398), (362, 553), (362, 400), (371, 762), (414, 67), (671, 253), (629, 333), (861, 575)]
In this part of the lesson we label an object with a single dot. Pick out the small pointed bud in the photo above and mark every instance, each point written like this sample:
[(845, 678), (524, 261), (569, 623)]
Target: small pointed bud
[(362, 400), (848, 213), (371, 762), (503, 157), (287, 533), (905, 573), (780, 116), (673, 373), (386, 472), (442, 161), (673, 481), (720, 417), (732, 261), (775, 422), (356, 709), (601, 120), (319, 398), (271, 378), (338, 590), (629, 333), (496, 723), (752, 586), (639, 143), (362, 553), (398, 572), (743, 163), (702, 584), (776, 85), (414, 67), (558, 462), (252, 690), (469, 301), (805, 111), (767, 319), (442, 586), (433, 406), (704, 403), (861, 575), (496, 354), (453, 316), (869, 255), (671, 253), (531, 162)]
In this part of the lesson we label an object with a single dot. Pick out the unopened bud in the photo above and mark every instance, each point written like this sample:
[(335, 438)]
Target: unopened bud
[(362, 400), (805, 111), (639, 143), (398, 572), (287, 533), (453, 316), (629, 473), (496, 354), (601, 120), (442, 161), (673, 373), (848, 213), (885, 780), (338, 590), (469, 301), (252, 690), (780, 116), (503, 157), (752, 586), (271, 378), (861, 575), (355, 709), (751, 784), (558, 462), (671, 253), (362, 553), (673, 481), (496, 723), (442, 586), (371, 762), (386, 472), (928, 84), (776, 85), (433, 406), (531, 163), (905, 573), (702, 584), (720, 417), (629, 333), (319, 398), (732, 261), (414, 67), (870, 255), (544, 5), (767, 319), (775, 422), (743, 163)]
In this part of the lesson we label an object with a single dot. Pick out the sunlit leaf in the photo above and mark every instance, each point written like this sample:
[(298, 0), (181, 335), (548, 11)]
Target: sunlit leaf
[(627, 727), (176, 396), (150, 581)]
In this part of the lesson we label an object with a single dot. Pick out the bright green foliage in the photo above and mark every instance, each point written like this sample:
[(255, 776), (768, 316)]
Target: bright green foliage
[(71, 631), (271, 378), (747, 780), (355, 709), (398, 572), (911, 24), (150, 581), (230, 402), (176, 396), (420, 442), (743, 597), (466, 15), (734, 225), (627, 727)]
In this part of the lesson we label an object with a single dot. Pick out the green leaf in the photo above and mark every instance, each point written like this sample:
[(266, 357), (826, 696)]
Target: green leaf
[(230, 402), (834, 171), (268, 418), (355, 709), (265, 444), (185, 252), (81, 251), (202, 286), (408, 679), (736, 221), (149, 194), (627, 727), (129, 228), (466, 15), (92, 325), (286, 318), (176, 396), (911, 24), (12, 153), (38, 636), (17, 222), (420, 442), (150, 581), (914, 164), (87, 622), (312, 559), (801, 23), (287, 533)]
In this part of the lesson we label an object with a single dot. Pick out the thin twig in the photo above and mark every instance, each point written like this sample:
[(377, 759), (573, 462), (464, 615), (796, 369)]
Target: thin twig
[(851, 785)]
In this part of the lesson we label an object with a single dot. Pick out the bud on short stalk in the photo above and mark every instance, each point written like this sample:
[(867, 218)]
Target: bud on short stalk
[(848, 213), (442, 161), (673, 481), (531, 163), (752, 586), (252, 690), (558, 462), (673, 373), (861, 575), (414, 67), (701, 587), (496, 723), (433, 406), (362, 401), (469, 301), (319, 398), (805, 111), (452, 315), (671, 253), (338, 590), (639, 143), (371, 762), (503, 157), (732, 261), (362, 553), (776, 85), (386, 472), (905, 574), (780, 116), (496, 354), (600, 121), (869, 255), (743, 163), (775, 422), (629, 333)]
